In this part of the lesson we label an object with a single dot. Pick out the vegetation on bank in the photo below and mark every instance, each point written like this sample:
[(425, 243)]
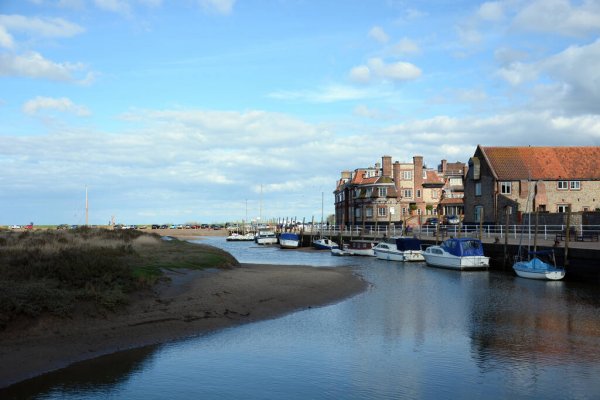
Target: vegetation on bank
[(58, 272)]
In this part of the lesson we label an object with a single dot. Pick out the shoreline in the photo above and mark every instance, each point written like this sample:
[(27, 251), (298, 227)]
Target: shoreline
[(190, 304)]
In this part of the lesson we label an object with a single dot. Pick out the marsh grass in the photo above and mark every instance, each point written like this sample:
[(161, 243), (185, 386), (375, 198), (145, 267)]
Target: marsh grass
[(50, 271)]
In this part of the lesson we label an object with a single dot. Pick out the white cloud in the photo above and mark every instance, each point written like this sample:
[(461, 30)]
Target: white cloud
[(327, 94), (517, 73), (219, 6), (6, 39), (45, 27), (377, 69), (116, 6), (491, 11), (34, 65), (405, 46), (560, 16), (378, 34), (61, 104)]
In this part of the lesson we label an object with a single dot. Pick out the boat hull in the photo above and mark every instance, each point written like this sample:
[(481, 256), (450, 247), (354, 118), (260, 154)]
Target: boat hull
[(404, 256), (289, 243), (324, 244), (458, 263), (546, 272)]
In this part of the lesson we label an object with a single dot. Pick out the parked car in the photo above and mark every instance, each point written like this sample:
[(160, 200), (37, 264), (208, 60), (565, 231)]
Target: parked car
[(164, 227), (431, 222), (452, 220), (155, 226), (15, 227)]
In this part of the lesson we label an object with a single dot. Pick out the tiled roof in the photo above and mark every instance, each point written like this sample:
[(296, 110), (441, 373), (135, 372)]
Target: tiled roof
[(451, 201), (544, 163), (433, 177)]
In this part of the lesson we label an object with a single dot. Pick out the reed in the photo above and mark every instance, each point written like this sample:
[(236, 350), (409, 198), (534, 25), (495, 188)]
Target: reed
[(54, 272)]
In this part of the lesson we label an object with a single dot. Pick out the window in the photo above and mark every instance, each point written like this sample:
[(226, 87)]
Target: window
[(455, 181), (356, 192), (562, 208), (403, 210), (478, 213), (382, 211), (575, 185), (382, 192), (407, 175), (357, 212), (434, 194), (505, 187), (424, 174), (369, 192), (408, 193), (562, 185), (477, 188), (418, 193)]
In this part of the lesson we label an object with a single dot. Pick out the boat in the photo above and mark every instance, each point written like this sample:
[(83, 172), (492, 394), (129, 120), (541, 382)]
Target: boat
[(324, 244), (289, 240), (457, 253), (399, 249), (265, 236), (541, 266), (239, 237), (360, 247), (538, 264), (337, 251)]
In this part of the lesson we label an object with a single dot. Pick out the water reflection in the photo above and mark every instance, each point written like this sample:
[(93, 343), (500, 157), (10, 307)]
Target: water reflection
[(417, 332)]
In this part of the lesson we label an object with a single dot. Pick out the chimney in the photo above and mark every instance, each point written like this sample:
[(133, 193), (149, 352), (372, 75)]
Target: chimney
[(346, 174), (397, 177), (386, 161), (418, 176), (444, 167)]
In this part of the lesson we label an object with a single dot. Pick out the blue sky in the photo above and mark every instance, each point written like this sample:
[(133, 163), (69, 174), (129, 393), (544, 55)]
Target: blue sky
[(179, 111)]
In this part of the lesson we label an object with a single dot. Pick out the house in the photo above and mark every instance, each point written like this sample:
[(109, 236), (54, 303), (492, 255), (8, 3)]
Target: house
[(507, 181), (390, 193)]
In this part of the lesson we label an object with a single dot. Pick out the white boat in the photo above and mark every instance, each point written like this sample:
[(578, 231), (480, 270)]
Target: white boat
[(324, 244), (289, 240), (457, 253), (541, 266), (361, 248), (265, 237), (238, 237), (399, 249), (336, 251)]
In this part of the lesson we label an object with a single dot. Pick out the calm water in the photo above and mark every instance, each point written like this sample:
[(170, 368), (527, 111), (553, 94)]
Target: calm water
[(418, 332)]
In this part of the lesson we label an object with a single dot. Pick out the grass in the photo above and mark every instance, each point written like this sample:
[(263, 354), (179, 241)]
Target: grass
[(55, 271)]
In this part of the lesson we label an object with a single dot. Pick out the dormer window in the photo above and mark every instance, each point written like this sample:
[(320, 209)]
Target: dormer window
[(382, 192)]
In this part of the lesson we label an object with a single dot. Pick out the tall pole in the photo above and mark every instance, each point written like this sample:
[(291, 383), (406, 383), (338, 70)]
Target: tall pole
[(260, 206), (86, 205), (322, 203)]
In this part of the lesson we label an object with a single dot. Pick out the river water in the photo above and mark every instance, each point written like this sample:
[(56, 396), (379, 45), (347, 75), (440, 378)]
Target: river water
[(416, 333)]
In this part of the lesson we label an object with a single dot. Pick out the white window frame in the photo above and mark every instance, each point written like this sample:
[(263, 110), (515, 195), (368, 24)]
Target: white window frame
[(381, 211), (407, 175), (562, 185), (575, 185), (561, 208), (369, 212), (506, 187), (418, 193), (382, 192)]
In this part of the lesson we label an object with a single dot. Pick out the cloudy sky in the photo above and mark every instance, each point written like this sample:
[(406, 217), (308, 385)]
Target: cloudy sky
[(178, 111)]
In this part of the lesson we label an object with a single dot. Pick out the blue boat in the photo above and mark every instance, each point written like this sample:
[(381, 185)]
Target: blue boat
[(541, 266), (324, 244), (289, 240)]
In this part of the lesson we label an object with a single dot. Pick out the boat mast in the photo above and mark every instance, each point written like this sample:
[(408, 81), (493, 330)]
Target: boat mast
[(86, 205), (322, 194)]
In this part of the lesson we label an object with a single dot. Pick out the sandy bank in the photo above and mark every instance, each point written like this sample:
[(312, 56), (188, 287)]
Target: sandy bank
[(193, 302)]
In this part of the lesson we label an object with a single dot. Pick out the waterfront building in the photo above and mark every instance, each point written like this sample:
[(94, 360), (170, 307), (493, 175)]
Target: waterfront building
[(395, 193), (508, 181)]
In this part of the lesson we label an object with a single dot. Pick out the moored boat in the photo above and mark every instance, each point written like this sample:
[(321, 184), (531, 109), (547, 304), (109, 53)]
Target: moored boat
[(265, 237), (324, 244), (541, 266), (361, 247), (457, 253), (238, 237), (399, 249), (289, 240)]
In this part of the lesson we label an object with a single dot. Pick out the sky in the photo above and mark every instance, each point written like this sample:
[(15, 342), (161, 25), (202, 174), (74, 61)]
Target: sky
[(222, 110)]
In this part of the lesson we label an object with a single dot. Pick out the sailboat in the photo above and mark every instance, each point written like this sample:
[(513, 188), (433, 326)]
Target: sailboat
[(324, 243), (537, 264)]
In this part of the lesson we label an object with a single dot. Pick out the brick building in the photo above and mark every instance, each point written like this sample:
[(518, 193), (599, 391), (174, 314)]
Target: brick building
[(388, 193), (512, 180)]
